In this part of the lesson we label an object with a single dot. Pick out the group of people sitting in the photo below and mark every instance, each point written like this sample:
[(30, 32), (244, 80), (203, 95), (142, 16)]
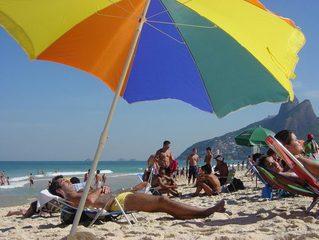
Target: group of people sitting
[(204, 177), (296, 147), (161, 167)]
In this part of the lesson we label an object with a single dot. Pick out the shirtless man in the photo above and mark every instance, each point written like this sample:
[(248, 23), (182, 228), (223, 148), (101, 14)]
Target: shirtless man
[(192, 161), (165, 157), (221, 169), (132, 201), (207, 182), (164, 184), (208, 160)]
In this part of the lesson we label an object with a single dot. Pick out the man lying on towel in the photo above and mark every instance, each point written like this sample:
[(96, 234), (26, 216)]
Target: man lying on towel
[(131, 201)]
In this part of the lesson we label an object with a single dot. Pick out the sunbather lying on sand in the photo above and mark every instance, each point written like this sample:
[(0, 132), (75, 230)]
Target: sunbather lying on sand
[(131, 201), (295, 146)]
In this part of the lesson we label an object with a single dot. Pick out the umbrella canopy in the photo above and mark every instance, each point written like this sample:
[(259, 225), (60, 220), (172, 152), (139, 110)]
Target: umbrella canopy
[(254, 137), (216, 55)]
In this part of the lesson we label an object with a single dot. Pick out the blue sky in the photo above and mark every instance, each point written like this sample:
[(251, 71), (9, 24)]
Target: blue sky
[(53, 112)]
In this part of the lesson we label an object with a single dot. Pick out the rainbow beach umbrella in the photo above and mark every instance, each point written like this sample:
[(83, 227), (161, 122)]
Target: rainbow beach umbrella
[(216, 55)]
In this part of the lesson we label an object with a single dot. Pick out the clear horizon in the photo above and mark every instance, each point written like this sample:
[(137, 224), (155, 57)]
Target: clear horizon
[(51, 111)]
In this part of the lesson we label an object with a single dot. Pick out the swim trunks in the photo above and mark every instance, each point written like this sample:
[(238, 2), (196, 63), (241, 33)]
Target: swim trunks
[(192, 172), (207, 168), (121, 199)]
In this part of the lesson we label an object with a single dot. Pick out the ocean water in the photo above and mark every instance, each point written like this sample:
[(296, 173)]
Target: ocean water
[(121, 174)]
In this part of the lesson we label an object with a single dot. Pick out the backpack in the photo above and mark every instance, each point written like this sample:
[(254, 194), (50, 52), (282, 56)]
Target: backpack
[(235, 185)]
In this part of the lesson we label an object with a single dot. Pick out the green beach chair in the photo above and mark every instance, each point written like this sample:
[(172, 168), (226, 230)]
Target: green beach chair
[(278, 181)]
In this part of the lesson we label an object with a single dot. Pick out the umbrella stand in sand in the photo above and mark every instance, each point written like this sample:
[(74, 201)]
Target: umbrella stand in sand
[(218, 56)]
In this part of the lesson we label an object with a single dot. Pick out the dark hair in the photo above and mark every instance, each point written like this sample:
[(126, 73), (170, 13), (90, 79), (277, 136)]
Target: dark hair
[(208, 148), (57, 177), (166, 142), (256, 156), (98, 171), (270, 152), (284, 136), (194, 149), (262, 161), (54, 186), (74, 180)]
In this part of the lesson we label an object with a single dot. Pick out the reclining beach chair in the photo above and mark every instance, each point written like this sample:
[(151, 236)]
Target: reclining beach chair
[(149, 189), (68, 211), (311, 185)]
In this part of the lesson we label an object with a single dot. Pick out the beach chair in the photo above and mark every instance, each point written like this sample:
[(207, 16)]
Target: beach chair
[(311, 185), (68, 211), (149, 189)]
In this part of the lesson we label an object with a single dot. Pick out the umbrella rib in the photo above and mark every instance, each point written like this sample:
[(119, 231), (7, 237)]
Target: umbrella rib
[(112, 16), (183, 24), (166, 34), (132, 5), (175, 8), (125, 10)]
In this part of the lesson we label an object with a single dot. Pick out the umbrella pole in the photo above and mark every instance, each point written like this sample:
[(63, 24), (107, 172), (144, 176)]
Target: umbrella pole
[(104, 134)]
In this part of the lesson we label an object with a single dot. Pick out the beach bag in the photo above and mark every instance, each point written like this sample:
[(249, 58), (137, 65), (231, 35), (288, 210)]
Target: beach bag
[(235, 185)]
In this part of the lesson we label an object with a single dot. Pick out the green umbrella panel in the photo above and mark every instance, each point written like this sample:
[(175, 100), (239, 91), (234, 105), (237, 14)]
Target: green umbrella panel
[(253, 137)]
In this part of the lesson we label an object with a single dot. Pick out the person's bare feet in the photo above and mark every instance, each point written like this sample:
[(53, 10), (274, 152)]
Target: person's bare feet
[(219, 207)]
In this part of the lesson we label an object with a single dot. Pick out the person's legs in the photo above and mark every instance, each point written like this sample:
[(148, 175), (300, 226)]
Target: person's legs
[(18, 212), (189, 175), (194, 175), (207, 189), (149, 203), (199, 187)]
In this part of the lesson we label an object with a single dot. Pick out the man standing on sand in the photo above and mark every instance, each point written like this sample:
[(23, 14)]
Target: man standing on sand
[(165, 157), (208, 161), (192, 161)]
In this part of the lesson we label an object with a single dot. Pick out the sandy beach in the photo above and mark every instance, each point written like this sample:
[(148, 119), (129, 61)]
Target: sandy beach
[(247, 217)]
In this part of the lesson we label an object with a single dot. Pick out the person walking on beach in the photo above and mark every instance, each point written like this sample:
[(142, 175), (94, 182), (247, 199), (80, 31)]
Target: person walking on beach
[(98, 179), (192, 161), (86, 175), (2, 182), (165, 157), (104, 180), (208, 161), (31, 179)]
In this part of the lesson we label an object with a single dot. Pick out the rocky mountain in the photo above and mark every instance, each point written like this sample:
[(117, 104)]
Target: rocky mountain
[(295, 116)]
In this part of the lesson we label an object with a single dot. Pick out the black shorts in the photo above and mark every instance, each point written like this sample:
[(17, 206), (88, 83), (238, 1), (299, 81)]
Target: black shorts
[(192, 172), (207, 168)]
